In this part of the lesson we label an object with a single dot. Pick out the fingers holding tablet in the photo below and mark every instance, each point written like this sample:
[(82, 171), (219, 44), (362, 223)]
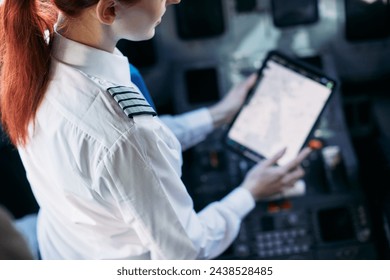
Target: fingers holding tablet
[(266, 179), (298, 160), (274, 160)]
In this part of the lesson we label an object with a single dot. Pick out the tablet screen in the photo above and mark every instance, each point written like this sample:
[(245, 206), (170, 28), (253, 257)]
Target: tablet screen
[(281, 111)]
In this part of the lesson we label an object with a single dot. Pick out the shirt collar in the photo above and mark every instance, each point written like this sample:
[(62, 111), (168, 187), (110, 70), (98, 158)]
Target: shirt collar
[(112, 67)]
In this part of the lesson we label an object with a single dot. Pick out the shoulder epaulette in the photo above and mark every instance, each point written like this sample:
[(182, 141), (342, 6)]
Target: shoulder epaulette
[(132, 102)]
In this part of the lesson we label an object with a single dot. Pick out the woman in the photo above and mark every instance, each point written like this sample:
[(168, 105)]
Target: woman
[(104, 168)]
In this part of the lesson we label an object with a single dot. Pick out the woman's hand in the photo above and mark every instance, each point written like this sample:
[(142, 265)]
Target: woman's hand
[(224, 111), (266, 179)]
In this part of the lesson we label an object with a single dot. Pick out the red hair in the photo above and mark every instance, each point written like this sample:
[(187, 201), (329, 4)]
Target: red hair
[(26, 33), (25, 61)]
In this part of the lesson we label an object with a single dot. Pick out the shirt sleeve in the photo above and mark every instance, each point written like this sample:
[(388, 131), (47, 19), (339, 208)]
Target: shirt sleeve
[(190, 128), (144, 178)]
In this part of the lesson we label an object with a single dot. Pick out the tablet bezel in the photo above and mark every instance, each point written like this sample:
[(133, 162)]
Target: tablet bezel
[(251, 154)]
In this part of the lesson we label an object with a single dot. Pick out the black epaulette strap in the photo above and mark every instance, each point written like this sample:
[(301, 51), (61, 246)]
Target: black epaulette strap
[(132, 102)]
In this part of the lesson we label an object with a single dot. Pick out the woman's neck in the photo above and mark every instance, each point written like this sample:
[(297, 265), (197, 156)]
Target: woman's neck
[(87, 30)]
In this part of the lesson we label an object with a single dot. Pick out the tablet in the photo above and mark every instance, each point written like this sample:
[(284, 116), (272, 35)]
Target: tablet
[(281, 109)]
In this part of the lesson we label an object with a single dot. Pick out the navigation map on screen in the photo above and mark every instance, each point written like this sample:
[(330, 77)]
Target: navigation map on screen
[(282, 111)]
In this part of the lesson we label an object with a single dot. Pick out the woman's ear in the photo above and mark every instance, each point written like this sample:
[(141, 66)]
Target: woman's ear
[(105, 11)]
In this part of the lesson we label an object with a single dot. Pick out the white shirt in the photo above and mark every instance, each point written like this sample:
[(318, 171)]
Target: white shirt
[(109, 186)]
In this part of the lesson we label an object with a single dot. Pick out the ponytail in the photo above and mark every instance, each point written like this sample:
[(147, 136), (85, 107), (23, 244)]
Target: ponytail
[(26, 35), (26, 29)]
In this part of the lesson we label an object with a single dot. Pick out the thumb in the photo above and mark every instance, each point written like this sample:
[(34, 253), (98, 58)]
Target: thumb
[(249, 82), (274, 159)]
